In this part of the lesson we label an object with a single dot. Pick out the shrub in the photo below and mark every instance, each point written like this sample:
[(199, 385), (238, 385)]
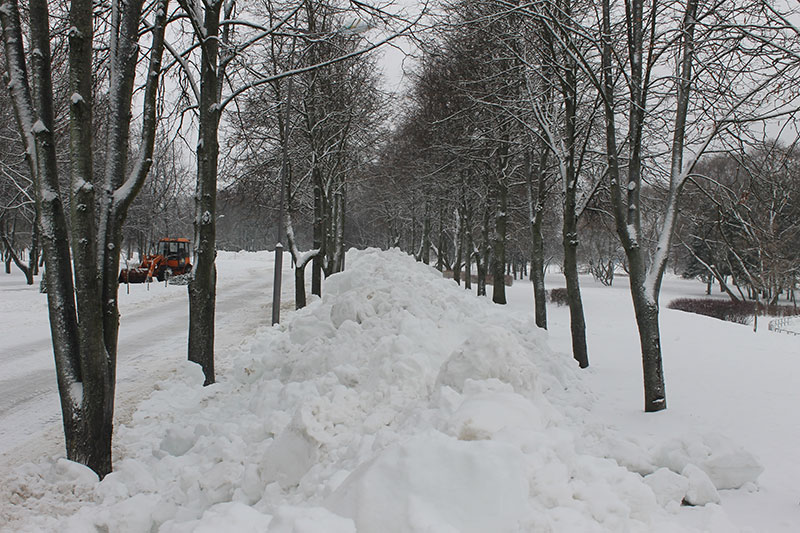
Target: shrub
[(507, 280), (559, 296), (740, 312)]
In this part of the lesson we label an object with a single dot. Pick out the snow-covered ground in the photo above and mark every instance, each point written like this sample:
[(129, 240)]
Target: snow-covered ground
[(400, 402)]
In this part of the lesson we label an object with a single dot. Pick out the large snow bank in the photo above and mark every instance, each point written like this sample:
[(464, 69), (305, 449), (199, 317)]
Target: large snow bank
[(396, 403)]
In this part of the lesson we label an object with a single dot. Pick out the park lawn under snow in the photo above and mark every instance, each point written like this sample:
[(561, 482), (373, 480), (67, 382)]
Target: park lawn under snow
[(400, 402)]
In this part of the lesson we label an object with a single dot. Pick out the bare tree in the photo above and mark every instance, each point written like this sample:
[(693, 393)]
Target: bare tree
[(715, 86), (84, 317)]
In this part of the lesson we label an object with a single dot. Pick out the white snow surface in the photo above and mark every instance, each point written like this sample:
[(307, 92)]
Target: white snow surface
[(398, 402)]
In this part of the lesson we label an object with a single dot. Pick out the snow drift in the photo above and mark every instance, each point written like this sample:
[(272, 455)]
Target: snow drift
[(396, 403)]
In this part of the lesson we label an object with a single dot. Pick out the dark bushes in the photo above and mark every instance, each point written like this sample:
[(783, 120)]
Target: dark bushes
[(739, 312), (507, 279), (559, 296)]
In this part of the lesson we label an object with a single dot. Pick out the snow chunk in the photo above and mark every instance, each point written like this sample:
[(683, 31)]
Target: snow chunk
[(178, 441), (727, 465), (701, 490), (76, 392), (74, 472), (436, 483), (351, 306), (669, 487), (482, 415), (76, 99), (291, 455), (39, 127), (490, 352)]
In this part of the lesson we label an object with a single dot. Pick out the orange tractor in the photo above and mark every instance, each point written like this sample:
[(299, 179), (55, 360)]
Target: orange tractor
[(171, 259)]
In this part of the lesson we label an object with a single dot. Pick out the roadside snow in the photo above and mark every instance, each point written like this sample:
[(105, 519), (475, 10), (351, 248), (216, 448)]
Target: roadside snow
[(400, 402)]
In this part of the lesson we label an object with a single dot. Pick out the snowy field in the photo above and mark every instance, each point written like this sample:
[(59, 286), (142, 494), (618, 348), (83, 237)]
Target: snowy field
[(402, 403)]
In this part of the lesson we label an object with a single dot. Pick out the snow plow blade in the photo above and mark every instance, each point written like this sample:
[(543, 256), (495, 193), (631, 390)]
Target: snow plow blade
[(132, 275)]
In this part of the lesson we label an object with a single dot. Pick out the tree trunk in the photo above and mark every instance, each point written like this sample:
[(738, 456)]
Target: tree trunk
[(649, 337), (202, 287), (440, 246), (480, 266), (12, 256), (9, 244), (414, 238), (469, 250), (577, 321), (339, 217), (499, 244), (536, 216), (33, 256), (299, 286), (426, 236), (84, 364), (570, 242), (482, 257), (459, 246), (319, 233)]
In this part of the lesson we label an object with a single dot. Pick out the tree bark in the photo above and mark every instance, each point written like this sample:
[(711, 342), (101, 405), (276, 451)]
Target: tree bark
[(483, 253), (85, 363), (202, 287), (468, 247), (319, 232), (426, 236), (440, 246), (33, 256), (499, 243), (536, 216), (459, 245), (569, 232), (299, 286)]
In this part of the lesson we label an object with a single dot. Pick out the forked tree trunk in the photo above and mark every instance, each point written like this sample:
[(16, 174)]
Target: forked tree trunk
[(646, 283), (300, 261), (84, 338), (13, 257)]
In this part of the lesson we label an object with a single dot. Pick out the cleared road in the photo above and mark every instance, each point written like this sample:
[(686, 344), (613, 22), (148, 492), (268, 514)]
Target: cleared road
[(152, 344)]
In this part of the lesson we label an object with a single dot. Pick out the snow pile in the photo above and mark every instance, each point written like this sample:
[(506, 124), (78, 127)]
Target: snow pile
[(396, 403)]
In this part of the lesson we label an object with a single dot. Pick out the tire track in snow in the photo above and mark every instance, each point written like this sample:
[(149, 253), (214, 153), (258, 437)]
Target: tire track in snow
[(152, 344)]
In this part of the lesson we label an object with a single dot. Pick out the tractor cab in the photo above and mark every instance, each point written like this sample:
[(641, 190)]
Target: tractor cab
[(175, 251)]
